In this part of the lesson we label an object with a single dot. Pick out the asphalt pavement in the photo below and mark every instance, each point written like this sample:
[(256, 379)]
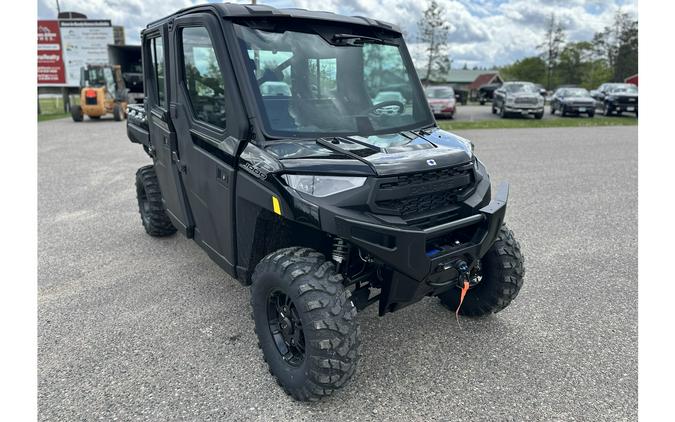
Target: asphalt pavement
[(474, 112), (137, 328)]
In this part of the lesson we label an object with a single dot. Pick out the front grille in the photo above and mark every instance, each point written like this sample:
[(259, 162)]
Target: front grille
[(90, 101), (582, 104), (526, 100), (627, 100), (413, 195)]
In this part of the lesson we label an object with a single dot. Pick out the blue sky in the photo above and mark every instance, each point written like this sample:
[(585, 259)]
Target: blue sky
[(482, 32)]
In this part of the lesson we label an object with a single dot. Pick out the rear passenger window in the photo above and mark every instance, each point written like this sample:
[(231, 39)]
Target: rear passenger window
[(203, 78), (157, 56)]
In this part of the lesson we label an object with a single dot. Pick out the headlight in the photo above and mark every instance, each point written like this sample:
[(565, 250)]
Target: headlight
[(321, 186), (540, 101)]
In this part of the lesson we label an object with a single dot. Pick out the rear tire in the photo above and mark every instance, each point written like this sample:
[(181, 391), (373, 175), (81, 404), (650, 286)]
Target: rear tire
[(502, 270), (552, 110), (76, 113), (153, 215), (591, 113), (494, 110), (117, 112), (502, 112), (315, 350)]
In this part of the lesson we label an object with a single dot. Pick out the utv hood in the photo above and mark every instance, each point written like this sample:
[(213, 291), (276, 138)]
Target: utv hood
[(381, 155)]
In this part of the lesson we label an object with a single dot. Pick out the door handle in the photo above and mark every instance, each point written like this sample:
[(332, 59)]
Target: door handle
[(182, 168)]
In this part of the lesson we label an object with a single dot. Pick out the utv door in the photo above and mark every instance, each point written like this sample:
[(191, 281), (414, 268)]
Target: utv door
[(199, 110), (162, 133)]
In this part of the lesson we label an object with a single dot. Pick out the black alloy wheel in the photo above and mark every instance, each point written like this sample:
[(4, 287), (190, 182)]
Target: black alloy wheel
[(286, 328)]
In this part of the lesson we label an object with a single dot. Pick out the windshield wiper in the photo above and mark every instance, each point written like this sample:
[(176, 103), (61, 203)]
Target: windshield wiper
[(333, 146), (357, 40), (363, 144)]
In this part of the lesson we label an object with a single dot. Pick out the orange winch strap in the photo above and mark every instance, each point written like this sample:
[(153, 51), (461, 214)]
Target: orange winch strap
[(465, 288)]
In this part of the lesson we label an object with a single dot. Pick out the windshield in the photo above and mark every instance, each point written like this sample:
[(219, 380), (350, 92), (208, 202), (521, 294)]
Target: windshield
[(309, 87), (520, 88), (577, 92), (630, 89), (440, 93)]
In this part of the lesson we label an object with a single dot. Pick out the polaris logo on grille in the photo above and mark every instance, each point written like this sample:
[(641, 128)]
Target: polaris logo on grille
[(431, 162)]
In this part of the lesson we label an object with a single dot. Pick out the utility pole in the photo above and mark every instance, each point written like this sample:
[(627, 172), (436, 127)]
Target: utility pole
[(58, 8)]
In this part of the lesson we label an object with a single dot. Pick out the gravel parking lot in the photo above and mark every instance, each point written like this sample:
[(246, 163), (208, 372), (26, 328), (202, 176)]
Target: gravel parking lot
[(136, 328)]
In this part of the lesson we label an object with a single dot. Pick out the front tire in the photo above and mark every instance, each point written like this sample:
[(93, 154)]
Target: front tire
[(76, 113), (502, 271), (606, 110), (153, 215), (117, 112), (305, 323)]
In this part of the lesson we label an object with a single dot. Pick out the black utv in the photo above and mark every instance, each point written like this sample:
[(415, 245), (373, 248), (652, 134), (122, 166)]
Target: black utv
[(268, 150)]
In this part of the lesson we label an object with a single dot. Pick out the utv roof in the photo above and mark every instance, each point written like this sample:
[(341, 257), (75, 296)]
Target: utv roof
[(232, 10)]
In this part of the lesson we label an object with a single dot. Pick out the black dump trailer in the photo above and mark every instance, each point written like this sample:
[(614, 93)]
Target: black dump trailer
[(128, 57)]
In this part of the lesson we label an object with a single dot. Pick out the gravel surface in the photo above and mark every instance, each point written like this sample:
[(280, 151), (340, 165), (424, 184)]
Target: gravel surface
[(138, 328)]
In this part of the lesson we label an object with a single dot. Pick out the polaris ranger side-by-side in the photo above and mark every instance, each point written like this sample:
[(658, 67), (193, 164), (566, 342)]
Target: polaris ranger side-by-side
[(270, 151)]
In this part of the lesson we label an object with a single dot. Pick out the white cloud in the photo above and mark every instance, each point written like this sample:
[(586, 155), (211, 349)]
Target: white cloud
[(483, 32)]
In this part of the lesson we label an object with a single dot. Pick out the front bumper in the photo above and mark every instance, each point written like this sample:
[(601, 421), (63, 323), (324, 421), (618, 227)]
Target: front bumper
[(423, 261), (579, 108), (523, 109), (630, 107)]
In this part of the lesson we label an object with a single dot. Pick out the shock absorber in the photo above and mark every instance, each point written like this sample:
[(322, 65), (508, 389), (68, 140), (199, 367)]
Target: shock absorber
[(340, 250)]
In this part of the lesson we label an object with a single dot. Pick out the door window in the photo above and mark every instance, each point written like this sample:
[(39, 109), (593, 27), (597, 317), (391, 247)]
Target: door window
[(157, 71), (202, 77)]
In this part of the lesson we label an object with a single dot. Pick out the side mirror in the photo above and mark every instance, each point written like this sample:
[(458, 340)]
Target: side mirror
[(458, 97), (542, 92)]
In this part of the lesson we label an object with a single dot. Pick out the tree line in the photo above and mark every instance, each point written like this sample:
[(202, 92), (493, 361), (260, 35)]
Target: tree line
[(610, 56)]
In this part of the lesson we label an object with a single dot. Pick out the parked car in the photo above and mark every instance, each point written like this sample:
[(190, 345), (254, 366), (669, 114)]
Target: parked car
[(522, 98), (392, 102), (442, 101), (321, 209), (486, 92), (619, 98), (575, 101)]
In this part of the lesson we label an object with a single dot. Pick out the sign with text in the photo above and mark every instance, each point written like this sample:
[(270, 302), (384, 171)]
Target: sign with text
[(84, 42), (50, 67)]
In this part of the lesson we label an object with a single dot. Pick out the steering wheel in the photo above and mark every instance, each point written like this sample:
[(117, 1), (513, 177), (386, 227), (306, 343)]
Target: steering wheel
[(376, 109)]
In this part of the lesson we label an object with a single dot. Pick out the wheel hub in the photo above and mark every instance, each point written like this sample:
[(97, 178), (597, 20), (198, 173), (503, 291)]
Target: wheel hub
[(286, 328)]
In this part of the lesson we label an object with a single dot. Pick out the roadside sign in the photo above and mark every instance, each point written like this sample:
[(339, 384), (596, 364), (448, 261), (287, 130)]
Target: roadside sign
[(50, 66), (65, 46), (84, 42)]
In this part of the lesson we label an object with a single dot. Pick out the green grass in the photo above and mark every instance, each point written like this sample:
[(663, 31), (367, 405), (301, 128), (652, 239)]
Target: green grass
[(51, 107), (45, 117), (515, 123)]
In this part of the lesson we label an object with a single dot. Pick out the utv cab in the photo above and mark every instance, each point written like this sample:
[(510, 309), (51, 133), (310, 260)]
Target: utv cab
[(270, 151)]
